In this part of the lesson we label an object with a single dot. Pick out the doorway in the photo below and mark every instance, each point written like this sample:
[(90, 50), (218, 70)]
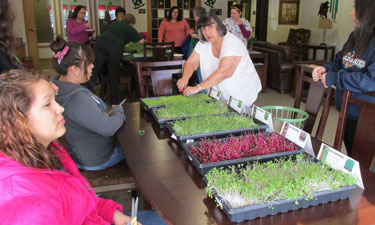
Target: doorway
[(261, 21)]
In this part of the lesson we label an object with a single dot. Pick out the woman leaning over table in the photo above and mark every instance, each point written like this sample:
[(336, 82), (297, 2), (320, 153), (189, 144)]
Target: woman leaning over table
[(224, 62), (39, 182), (238, 26), (90, 130), (77, 27), (354, 66), (174, 28)]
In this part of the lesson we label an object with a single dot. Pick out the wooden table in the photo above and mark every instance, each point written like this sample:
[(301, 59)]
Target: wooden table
[(326, 48), (176, 191), (260, 60)]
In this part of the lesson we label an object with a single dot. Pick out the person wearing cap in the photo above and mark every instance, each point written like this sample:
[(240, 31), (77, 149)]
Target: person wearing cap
[(238, 26)]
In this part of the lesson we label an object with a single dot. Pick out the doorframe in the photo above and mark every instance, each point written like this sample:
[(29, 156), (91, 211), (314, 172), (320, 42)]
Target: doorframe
[(30, 29)]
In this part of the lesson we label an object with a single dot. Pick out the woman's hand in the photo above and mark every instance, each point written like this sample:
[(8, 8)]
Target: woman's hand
[(318, 72), (87, 25), (191, 90), (120, 218), (182, 83)]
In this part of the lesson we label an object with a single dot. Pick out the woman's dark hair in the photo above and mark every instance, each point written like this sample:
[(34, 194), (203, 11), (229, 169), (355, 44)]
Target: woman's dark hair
[(237, 7), (208, 19), (119, 10), (364, 34), (76, 11), (199, 11), (16, 140), (79, 55), (6, 28), (179, 17)]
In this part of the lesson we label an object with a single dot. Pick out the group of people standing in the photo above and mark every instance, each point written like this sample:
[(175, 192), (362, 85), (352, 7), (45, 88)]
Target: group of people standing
[(40, 182)]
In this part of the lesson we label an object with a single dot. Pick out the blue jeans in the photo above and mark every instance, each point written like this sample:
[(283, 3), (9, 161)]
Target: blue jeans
[(116, 157), (148, 217)]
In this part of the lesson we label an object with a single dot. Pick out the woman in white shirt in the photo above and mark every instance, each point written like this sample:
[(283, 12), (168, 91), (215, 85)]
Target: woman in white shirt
[(224, 62)]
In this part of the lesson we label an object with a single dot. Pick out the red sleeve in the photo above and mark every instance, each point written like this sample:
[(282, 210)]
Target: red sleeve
[(161, 32), (245, 32), (106, 208)]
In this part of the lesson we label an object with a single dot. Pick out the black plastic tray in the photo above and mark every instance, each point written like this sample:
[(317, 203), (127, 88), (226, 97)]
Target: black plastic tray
[(262, 127), (162, 122), (251, 212), (204, 168), (147, 108)]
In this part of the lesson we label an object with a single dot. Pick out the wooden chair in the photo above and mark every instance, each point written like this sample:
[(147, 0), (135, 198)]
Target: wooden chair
[(363, 145), (161, 76), (116, 178), (159, 51), (313, 102)]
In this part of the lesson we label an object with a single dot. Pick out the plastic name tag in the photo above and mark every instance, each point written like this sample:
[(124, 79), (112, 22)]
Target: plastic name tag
[(263, 116), (214, 93), (298, 137), (339, 161), (174, 137), (235, 104)]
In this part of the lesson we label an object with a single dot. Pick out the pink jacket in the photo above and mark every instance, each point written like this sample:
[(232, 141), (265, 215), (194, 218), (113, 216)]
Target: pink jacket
[(39, 196), (77, 32)]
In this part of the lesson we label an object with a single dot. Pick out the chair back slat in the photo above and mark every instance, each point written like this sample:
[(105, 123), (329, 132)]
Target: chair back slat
[(161, 74), (313, 102), (363, 144), (161, 51)]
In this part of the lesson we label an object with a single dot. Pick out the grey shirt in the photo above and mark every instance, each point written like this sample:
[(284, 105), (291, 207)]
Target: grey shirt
[(89, 129)]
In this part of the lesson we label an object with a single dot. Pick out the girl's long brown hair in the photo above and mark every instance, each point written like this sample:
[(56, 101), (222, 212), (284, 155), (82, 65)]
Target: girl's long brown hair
[(6, 27), (16, 140)]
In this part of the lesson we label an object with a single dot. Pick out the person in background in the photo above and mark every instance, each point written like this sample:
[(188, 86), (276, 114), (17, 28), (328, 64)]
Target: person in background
[(238, 26), (130, 19), (174, 28), (90, 130), (353, 68), (224, 62), (108, 51), (39, 182), (190, 42), (119, 13), (8, 41), (77, 27)]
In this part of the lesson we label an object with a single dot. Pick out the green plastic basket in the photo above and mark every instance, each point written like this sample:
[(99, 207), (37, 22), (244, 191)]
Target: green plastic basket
[(291, 115)]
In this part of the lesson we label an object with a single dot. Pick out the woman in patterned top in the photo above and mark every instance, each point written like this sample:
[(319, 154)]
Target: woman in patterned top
[(238, 26)]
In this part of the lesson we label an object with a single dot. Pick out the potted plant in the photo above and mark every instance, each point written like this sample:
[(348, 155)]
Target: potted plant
[(261, 189), (211, 153), (214, 125), (156, 102)]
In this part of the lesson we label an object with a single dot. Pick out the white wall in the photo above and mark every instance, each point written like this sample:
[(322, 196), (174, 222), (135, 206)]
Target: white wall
[(141, 19), (309, 19)]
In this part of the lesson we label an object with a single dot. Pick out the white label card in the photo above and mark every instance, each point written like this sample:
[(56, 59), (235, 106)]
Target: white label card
[(174, 137), (235, 104), (189, 140), (263, 116), (339, 161), (214, 93), (298, 137)]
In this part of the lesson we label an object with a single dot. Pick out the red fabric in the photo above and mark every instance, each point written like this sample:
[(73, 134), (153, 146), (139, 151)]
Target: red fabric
[(39, 196), (176, 32)]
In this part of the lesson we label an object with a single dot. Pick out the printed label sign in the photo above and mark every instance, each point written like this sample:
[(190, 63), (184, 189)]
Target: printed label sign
[(235, 104), (339, 161), (298, 137), (263, 116), (214, 93)]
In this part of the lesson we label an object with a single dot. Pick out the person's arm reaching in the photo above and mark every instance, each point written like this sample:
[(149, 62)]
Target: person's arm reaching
[(226, 69), (190, 66)]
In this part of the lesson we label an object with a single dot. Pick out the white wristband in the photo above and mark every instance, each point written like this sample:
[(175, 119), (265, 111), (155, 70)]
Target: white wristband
[(199, 87)]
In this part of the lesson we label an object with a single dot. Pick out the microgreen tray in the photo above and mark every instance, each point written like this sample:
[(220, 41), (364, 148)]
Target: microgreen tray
[(282, 206), (204, 168), (192, 98), (218, 134), (162, 121)]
